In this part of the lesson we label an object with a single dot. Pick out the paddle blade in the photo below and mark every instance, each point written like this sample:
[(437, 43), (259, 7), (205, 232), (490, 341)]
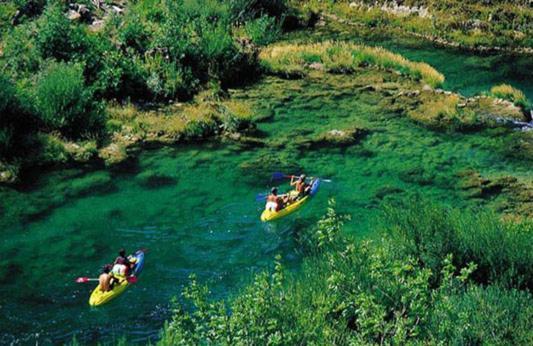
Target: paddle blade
[(83, 280), (278, 175), (261, 197), (132, 279)]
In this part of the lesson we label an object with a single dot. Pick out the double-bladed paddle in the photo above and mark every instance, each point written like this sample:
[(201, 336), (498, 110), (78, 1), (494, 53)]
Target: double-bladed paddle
[(82, 280)]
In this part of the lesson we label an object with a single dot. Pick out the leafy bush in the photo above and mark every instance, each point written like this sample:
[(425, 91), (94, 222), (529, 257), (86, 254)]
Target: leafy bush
[(63, 103), (366, 292), (21, 56), (15, 121), (56, 37), (263, 30), (501, 250)]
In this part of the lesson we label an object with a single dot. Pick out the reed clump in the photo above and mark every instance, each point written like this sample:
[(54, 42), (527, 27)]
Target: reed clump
[(343, 57), (510, 93)]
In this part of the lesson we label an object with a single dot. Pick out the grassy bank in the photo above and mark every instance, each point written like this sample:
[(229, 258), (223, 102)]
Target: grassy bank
[(470, 24), (431, 275), (61, 66), (343, 57)]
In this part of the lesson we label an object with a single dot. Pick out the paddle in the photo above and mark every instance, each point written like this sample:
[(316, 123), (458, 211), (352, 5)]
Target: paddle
[(82, 280), (279, 176), (262, 196)]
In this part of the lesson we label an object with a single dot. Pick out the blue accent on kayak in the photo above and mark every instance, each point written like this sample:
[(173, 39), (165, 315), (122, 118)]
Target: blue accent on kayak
[(140, 262), (314, 186)]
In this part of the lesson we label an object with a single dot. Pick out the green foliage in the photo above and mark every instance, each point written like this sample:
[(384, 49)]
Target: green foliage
[(56, 37), (63, 103), (15, 121), (501, 250), (368, 292), (263, 30)]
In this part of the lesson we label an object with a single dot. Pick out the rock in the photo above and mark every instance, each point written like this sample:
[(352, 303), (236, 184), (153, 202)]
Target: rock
[(316, 66), (81, 153), (427, 88), (333, 138), (73, 15), (8, 173), (113, 154)]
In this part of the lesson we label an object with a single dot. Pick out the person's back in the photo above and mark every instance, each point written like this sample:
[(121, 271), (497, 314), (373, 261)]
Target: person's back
[(272, 200), (104, 279)]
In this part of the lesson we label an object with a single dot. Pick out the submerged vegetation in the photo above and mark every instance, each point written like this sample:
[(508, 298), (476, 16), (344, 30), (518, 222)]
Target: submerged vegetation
[(343, 57), (431, 275)]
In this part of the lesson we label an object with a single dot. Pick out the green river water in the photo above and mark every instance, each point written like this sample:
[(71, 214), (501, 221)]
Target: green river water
[(199, 214)]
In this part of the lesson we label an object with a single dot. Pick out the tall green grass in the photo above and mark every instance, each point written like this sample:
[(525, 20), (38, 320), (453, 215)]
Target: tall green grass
[(431, 275), (344, 56)]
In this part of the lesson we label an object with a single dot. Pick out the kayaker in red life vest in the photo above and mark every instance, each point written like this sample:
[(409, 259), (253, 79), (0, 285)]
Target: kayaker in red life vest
[(300, 186), (122, 265), (275, 202)]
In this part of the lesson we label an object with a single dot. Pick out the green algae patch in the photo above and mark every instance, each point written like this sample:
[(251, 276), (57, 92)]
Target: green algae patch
[(151, 179), (342, 57), (511, 196)]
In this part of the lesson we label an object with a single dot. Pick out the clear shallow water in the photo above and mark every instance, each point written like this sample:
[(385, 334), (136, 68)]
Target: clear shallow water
[(200, 215)]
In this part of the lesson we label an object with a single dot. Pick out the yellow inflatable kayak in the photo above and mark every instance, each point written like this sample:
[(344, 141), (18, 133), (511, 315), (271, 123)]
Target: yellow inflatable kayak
[(99, 298), (269, 215)]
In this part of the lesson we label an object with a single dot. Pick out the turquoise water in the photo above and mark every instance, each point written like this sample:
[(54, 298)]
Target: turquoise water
[(193, 207)]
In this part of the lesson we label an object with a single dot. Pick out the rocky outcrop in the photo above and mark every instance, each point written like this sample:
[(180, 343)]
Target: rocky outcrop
[(332, 138)]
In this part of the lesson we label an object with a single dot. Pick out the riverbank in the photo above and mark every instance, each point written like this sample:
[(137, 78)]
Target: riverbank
[(498, 27), (423, 277)]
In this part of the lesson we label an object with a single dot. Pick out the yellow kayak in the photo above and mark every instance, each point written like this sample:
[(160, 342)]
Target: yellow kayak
[(99, 298), (269, 215)]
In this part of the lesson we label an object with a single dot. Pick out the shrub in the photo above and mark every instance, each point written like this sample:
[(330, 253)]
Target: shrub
[(21, 56), (15, 121), (56, 37), (63, 102), (429, 232), (358, 293), (263, 31), (509, 93)]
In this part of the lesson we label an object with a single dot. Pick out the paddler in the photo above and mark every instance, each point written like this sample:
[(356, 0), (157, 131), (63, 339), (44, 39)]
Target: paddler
[(301, 188), (105, 278), (275, 202)]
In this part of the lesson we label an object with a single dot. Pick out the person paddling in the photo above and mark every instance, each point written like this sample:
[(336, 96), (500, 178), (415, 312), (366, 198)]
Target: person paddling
[(274, 201), (105, 278), (301, 188)]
